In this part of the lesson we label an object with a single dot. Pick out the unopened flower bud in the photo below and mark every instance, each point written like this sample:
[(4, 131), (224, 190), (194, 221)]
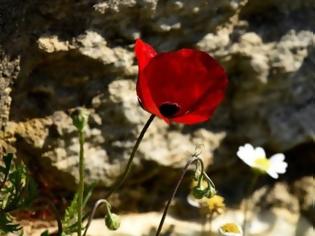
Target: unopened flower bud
[(199, 192), (112, 221), (80, 118), (210, 192)]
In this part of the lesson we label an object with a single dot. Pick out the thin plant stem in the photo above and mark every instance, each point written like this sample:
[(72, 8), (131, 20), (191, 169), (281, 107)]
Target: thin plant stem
[(81, 182), (192, 160), (210, 219), (123, 177), (204, 224), (246, 201), (203, 174), (96, 205)]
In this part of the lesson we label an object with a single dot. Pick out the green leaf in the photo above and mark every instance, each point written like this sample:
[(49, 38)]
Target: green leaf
[(70, 216), (8, 160), (5, 170), (70, 220), (17, 192), (7, 225), (30, 192), (45, 233)]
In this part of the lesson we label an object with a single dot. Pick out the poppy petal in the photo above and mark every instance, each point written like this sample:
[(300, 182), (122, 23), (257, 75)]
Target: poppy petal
[(190, 119), (204, 110), (144, 53), (185, 77)]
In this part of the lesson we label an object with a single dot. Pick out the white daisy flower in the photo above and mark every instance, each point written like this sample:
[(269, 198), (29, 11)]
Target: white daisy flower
[(256, 158)]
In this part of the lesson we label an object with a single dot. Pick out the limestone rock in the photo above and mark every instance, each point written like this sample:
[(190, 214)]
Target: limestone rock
[(304, 188), (68, 54), (52, 44)]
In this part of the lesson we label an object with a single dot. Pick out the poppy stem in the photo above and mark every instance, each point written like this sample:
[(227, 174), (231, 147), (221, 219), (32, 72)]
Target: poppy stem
[(96, 205), (123, 177), (184, 171)]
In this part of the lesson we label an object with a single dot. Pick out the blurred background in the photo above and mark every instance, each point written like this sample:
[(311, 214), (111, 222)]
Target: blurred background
[(59, 55)]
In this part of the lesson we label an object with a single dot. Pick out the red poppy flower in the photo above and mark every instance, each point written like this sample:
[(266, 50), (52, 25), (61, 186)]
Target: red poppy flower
[(183, 86)]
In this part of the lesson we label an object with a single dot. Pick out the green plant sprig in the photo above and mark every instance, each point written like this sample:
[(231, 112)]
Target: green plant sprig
[(17, 192)]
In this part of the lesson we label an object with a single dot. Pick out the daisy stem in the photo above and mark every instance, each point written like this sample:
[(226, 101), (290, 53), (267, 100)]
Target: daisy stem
[(123, 177), (184, 171), (203, 225), (209, 219), (247, 200)]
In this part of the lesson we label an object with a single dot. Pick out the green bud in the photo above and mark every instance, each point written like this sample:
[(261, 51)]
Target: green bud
[(210, 192), (198, 192), (112, 221), (80, 118)]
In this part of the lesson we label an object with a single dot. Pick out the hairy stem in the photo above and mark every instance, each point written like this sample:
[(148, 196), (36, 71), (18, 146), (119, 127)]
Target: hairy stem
[(123, 177), (81, 182), (191, 161)]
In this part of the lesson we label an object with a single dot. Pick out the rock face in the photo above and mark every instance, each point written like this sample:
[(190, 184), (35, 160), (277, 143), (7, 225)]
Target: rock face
[(69, 54)]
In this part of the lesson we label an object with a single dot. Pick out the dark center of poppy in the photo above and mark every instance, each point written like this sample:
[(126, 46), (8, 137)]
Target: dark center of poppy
[(169, 109)]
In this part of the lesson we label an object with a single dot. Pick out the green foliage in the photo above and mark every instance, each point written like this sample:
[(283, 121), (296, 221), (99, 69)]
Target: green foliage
[(70, 220), (45, 233), (7, 225), (17, 191)]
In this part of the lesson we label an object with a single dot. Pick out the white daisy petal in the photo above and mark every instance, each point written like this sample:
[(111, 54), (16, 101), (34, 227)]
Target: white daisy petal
[(281, 167), (260, 152), (247, 154), (249, 146), (193, 201), (272, 173), (256, 158), (277, 162), (277, 157)]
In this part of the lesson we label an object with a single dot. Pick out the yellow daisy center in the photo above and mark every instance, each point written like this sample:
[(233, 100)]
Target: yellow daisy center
[(262, 164), (216, 203), (230, 228)]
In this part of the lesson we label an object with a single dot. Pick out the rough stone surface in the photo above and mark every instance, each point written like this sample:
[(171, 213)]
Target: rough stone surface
[(68, 54), (269, 223), (9, 71), (305, 188)]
